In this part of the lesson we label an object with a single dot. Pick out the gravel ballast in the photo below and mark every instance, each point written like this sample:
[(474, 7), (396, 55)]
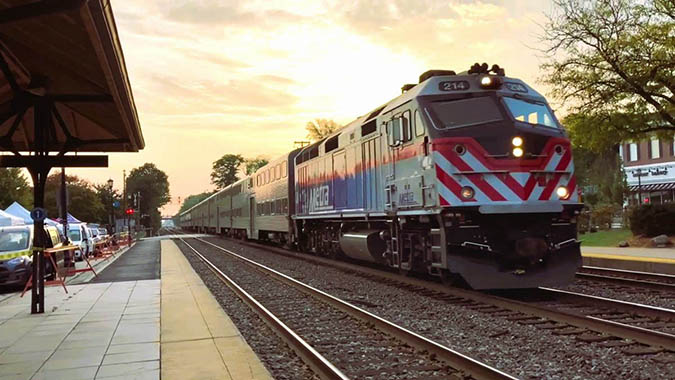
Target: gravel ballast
[(521, 350), (356, 348)]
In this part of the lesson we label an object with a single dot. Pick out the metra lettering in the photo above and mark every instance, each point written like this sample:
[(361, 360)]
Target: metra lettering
[(320, 197)]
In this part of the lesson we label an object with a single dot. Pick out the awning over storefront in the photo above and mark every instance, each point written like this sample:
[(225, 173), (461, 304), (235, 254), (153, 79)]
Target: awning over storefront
[(653, 187)]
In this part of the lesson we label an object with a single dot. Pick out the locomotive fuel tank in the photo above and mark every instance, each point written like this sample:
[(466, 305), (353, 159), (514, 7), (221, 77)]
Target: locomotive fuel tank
[(364, 245)]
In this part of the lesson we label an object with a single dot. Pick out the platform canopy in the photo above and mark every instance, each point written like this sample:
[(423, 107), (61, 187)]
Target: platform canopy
[(67, 54)]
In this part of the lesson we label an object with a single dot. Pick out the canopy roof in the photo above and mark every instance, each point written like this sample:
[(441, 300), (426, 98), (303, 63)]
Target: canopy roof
[(67, 53), (7, 219), (21, 212)]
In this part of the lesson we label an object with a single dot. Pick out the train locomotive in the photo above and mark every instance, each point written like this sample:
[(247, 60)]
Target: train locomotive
[(467, 177)]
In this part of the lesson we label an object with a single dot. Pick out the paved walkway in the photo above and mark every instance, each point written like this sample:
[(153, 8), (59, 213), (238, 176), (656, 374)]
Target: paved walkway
[(108, 330), (140, 262), (112, 331)]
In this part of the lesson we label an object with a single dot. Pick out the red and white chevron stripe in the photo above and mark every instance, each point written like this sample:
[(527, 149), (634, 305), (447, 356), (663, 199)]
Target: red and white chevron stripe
[(504, 181)]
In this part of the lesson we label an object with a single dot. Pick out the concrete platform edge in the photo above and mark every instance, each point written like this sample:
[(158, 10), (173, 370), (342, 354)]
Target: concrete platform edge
[(198, 340)]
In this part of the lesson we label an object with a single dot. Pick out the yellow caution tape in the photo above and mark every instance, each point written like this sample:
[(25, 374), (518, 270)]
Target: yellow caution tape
[(12, 255)]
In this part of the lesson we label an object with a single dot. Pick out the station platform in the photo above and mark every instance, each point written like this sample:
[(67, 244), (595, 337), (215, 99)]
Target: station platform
[(657, 260), (161, 323)]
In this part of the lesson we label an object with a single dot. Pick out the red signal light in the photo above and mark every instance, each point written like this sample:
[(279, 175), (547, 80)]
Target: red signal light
[(130, 211)]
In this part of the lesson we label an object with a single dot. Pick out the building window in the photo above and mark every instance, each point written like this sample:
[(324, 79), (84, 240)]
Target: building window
[(655, 148), (633, 152), (621, 152)]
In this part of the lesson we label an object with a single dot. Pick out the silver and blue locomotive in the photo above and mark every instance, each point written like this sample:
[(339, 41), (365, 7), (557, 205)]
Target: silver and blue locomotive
[(468, 177)]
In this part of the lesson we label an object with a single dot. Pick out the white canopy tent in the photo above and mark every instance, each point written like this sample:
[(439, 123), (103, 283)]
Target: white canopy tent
[(7, 219), (19, 211)]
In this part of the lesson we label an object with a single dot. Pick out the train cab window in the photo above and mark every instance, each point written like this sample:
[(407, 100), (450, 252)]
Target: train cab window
[(406, 127), (530, 112), (466, 112), (284, 169), (419, 125)]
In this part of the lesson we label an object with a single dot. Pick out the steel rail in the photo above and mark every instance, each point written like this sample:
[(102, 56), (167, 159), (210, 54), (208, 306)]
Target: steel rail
[(614, 276), (647, 310), (320, 365), (455, 359), (640, 335)]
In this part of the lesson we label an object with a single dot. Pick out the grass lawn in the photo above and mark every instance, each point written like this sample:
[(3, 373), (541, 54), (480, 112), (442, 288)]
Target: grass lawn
[(608, 238)]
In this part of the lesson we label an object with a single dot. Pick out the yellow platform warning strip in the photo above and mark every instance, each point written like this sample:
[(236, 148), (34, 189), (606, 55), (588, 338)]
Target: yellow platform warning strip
[(629, 258), (198, 340)]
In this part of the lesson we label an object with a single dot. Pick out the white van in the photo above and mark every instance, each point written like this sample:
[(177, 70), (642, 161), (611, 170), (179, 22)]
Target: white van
[(77, 234)]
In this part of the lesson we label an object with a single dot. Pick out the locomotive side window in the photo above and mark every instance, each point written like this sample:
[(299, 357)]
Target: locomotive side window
[(419, 127), (394, 131), (530, 112), (466, 112), (406, 126)]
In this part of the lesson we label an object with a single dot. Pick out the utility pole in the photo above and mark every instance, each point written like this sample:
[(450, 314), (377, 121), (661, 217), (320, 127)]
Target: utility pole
[(126, 217)]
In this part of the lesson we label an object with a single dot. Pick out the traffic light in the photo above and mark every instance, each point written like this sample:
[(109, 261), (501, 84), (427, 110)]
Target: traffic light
[(130, 211)]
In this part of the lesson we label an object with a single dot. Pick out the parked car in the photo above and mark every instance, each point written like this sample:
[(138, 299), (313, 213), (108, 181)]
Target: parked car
[(95, 238), (78, 236), (16, 253), (103, 233)]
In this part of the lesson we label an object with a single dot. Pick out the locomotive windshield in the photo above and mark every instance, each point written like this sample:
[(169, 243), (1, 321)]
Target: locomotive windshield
[(530, 112), (466, 112)]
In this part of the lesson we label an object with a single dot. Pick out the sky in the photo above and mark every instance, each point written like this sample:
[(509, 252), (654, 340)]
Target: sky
[(244, 77)]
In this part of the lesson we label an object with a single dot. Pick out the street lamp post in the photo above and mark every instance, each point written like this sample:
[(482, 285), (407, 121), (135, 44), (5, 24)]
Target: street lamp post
[(112, 206)]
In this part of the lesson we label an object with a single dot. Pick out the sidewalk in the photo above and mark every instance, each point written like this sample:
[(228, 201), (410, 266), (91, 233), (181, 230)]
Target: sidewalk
[(111, 330), (108, 330)]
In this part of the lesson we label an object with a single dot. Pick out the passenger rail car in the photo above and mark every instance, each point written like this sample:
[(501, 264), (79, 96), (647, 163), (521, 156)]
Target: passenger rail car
[(272, 202), (466, 176)]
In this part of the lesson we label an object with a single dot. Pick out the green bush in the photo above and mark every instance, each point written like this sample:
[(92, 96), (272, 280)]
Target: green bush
[(652, 220), (603, 214)]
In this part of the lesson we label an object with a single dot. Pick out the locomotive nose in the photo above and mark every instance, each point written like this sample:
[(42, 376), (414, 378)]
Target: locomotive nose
[(531, 249)]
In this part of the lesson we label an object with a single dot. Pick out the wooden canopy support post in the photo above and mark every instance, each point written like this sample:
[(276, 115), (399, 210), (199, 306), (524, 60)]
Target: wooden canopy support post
[(39, 165)]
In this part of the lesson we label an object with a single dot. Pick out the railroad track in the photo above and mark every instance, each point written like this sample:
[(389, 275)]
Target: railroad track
[(657, 281), (302, 316), (636, 328)]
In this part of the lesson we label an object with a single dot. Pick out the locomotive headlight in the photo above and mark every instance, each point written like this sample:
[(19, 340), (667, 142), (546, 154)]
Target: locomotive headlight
[(518, 152), (467, 192), (517, 141), (485, 81), (562, 192)]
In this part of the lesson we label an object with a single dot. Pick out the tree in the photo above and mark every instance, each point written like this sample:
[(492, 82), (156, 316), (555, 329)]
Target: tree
[(225, 170), (14, 187), (614, 61), (83, 202), (192, 200), (320, 128), (153, 186), (253, 164), (107, 198)]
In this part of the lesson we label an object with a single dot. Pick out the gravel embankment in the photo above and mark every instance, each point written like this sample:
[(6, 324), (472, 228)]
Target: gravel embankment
[(357, 349), (525, 351)]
